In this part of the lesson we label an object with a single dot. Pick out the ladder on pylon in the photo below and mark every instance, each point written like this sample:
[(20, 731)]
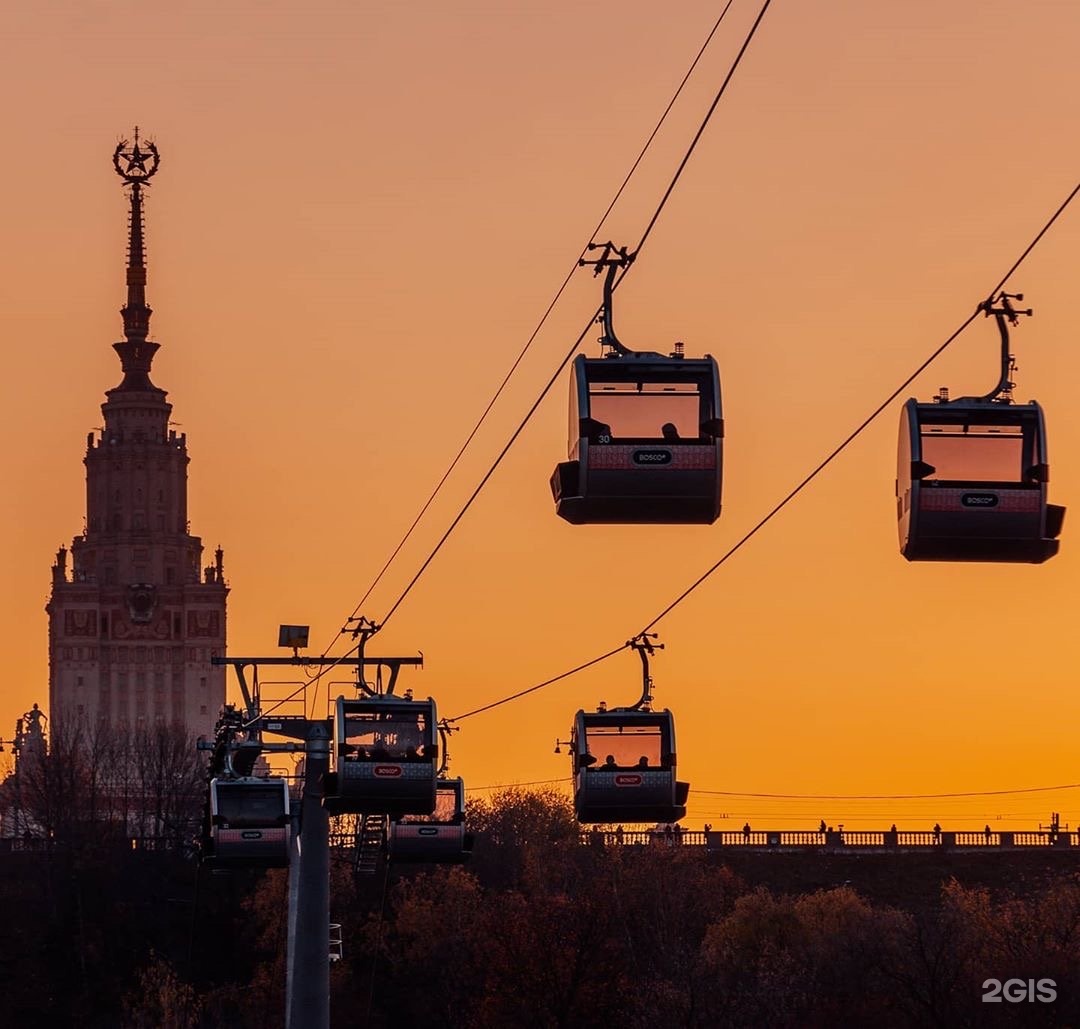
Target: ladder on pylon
[(370, 842)]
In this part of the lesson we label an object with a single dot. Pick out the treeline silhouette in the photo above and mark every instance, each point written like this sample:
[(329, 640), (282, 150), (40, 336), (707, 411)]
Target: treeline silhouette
[(538, 930)]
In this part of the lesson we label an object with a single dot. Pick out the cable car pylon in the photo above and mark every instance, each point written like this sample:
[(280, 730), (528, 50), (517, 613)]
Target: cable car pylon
[(308, 948)]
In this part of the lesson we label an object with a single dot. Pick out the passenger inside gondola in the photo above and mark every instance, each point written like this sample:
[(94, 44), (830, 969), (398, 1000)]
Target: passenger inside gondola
[(638, 746), (397, 737), (645, 411)]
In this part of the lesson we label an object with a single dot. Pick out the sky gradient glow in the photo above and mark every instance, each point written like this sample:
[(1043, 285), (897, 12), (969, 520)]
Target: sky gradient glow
[(363, 209)]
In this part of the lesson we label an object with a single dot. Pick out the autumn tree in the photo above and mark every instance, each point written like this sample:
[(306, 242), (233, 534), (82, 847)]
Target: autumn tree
[(818, 960), (521, 835), (160, 1000)]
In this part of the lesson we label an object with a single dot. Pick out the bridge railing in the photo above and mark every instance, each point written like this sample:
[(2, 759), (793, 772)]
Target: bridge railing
[(895, 839), (757, 839), (908, 838), (978, 839), (860, 838)]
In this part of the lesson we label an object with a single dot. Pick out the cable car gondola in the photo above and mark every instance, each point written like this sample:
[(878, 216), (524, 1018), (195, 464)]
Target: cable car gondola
[(624, 761), (249, 822), (646, 432), (624, 767), (972, 473), (439, 837), (386, 756)]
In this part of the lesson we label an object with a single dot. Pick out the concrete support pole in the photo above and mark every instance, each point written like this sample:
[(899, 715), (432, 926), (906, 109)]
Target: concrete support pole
[(309, 1005), (294, 892)]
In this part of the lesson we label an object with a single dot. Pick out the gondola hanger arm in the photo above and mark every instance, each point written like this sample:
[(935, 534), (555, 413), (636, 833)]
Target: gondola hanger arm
[(445, 729), (363, 630), (1005, 315), (614, 259), (643, 644)]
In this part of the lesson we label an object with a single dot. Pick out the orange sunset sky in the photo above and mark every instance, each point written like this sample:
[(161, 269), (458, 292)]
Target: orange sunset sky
[(363, 210)]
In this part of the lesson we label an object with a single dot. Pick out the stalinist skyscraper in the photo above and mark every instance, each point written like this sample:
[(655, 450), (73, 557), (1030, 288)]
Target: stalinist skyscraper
[(134, 622)]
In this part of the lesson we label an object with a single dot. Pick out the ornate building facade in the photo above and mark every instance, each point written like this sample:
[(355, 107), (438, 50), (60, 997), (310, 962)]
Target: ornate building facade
[(135, 620)]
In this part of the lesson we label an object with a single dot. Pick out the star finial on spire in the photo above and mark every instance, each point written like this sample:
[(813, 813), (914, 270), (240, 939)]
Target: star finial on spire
[(131, 160), (135, 163)]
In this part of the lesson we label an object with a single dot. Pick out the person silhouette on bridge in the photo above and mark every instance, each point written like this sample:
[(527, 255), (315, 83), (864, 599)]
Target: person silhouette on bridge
[(937, 833), (746, 832)]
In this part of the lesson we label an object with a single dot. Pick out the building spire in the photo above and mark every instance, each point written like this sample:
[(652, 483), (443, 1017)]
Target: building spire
[(135, 163)]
